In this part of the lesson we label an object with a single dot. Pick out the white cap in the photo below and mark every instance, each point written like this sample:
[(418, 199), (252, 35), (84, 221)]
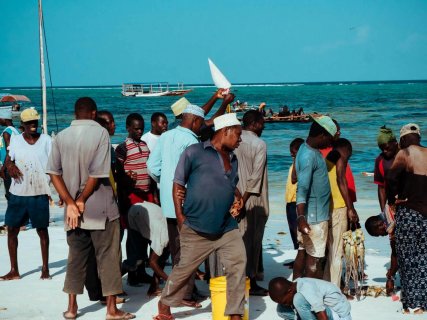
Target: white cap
[(410, 128), (226, 120), (194, 110), (179, 106)]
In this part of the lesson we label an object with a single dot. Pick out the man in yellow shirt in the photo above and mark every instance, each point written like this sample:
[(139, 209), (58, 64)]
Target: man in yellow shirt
[(341, 208)]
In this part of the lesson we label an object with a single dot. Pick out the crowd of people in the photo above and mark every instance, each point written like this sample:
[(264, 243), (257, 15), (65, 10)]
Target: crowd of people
[(197, 191)]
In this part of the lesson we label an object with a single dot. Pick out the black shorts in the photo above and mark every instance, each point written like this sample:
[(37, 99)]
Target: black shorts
[(20, 209)]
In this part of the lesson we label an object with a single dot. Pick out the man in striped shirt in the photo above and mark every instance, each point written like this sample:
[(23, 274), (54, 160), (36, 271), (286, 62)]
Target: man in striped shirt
[(134, 186)]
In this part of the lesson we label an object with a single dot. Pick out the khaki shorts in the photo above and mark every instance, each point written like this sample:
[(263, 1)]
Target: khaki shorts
[(315, 242)]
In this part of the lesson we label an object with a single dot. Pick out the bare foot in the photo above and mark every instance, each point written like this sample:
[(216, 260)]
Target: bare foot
[(120, 315), (69, 315), (45, 275), (12, 275)]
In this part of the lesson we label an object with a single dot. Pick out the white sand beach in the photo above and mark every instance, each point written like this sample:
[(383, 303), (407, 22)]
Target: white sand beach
[(32, 298)]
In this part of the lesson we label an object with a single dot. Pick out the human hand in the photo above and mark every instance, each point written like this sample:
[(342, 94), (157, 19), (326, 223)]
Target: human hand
[(180, 193), (14, 172), (229, 98), (131, 174), (352, 215), (80, 203), (72, 215), (303, 226), (220, 93), (236, 207), (389, 287)]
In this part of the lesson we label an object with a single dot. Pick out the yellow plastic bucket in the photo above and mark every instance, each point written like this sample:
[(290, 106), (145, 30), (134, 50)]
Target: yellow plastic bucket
[(218, 288)]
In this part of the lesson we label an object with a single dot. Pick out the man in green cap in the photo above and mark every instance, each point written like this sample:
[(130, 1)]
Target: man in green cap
[(388, 145)]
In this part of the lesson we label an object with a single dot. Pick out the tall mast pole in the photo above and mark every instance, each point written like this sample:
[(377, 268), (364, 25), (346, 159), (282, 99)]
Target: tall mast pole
[(42, 71)]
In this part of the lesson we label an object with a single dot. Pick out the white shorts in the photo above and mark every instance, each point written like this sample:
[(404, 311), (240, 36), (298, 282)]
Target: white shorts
[(314, 243)]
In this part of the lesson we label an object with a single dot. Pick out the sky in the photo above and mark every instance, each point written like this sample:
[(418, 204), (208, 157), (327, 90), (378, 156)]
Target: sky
[(109, 42)]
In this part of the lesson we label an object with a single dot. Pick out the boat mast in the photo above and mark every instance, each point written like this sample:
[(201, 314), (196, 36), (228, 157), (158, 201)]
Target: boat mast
[(42, 71)]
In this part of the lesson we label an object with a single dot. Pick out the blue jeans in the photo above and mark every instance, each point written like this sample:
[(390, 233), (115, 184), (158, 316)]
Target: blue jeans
[(304, 308)]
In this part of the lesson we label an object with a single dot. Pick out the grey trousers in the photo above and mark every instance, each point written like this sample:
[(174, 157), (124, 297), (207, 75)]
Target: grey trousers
[(252, 228), (194, 250), (107, 252)]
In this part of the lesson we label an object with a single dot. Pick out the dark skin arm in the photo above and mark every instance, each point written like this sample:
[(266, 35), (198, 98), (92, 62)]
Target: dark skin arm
[(303, 226), (227, 100), (294, 178), (177, 201), (89, 188), (154, 264), (341, 167), (6, 137), (208, 105), (13, 170), (322, 315), (72, 211), (382, 198)]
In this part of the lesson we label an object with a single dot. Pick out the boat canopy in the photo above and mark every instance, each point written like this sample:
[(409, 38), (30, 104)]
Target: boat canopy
[(13, 98)]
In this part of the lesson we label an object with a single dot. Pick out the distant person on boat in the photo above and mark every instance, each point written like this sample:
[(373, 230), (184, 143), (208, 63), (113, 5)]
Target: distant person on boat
[(206, 219), (6, 121), (79, 166), (291, 196), (313, 199), (253, 185), (29, 190), (134, 186), (179, 106), (159, 125), (389, 148), (406, 188), (162, 164)]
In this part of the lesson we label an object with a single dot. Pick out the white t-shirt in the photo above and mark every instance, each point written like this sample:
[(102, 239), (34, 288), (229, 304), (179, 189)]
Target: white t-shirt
[(150, 139), (31, 159)]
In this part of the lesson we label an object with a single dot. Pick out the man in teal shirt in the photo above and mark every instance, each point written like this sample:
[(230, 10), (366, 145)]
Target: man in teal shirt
[(313, 197)]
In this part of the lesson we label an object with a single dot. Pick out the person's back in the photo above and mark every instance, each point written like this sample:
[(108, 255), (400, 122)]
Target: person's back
[(320, 294), (413, 186), (78, 146)]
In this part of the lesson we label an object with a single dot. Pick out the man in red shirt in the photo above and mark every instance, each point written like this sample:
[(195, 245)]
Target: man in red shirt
[(388, 145)]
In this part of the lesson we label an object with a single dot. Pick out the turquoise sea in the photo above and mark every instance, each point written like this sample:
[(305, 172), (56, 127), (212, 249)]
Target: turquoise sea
[(360, 108)]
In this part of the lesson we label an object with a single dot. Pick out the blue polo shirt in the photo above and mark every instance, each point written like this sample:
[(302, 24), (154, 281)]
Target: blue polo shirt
[(210, 189)]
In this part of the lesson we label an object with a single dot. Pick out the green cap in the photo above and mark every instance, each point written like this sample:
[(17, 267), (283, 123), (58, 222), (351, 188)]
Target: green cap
[(326, 123)]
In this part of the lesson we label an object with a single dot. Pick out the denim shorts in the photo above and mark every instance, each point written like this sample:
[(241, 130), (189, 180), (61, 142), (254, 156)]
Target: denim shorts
[(20, 209)]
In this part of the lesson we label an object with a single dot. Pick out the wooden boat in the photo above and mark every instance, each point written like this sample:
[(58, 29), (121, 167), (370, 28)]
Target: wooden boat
[(292, 118), (147, 90), (16, 101)]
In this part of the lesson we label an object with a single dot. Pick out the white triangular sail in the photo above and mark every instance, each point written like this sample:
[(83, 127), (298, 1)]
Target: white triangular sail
[(218, 78)]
